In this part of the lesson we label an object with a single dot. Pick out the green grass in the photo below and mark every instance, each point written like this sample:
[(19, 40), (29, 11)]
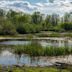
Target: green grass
[(37, 70), (54, 34), (35, 49), (41, 34), (33, 69)]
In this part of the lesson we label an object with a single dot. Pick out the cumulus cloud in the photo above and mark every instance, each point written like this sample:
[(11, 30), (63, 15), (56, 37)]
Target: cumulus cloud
[(50, 6)]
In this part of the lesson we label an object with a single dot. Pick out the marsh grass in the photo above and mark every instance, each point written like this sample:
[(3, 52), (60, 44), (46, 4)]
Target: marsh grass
[(35, 49), (54, 34), (33, 69)]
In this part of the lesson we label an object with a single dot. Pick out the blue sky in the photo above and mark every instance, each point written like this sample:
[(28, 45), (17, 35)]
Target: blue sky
[(36, 1), (44, 6)]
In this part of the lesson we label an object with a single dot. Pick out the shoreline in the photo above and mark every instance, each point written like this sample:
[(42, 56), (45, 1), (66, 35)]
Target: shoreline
[(16, 68), (36, 38)]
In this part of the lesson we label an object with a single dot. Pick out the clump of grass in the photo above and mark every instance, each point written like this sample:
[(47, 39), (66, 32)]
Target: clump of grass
[(35, 49), (57, 51)]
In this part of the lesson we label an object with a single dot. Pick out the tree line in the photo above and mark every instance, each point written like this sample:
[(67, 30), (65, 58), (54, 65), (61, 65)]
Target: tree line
[(13, 22)]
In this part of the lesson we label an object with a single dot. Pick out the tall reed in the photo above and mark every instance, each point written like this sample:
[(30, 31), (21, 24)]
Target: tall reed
[(35, 49)]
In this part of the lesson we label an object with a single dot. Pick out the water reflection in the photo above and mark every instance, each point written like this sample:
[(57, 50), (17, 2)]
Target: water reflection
[(55, 43), (8, 58), (14, 42)]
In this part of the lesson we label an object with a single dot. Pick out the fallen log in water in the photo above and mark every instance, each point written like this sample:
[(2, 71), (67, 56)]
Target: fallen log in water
[(61, 65)]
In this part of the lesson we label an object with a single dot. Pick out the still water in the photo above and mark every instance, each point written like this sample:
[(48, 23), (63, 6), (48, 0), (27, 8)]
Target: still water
[(56, 43), (9, 58)]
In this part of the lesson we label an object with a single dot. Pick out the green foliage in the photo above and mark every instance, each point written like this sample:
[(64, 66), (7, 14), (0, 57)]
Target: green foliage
[(7, 28), (2, 13), (67, 17), (37, 18), (28, 28), (35, 49), (67, 26), (16, 22)]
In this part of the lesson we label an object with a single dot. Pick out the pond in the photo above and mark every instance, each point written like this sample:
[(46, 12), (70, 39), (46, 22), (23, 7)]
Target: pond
[(56, 43), (7, 57)]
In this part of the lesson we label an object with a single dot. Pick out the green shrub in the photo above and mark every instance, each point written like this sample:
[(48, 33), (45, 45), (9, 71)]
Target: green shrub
[(7, 28), (67, 26)]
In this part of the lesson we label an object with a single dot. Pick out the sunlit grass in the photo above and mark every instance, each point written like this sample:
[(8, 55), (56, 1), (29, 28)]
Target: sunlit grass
[(33, 69)]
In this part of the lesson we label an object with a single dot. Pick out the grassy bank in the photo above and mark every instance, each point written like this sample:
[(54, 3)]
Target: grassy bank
[(36, 35), (54, 34), (34, 69), (35, 49)]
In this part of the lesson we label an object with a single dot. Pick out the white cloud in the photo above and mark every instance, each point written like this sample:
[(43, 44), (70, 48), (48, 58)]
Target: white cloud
[(58, 6)]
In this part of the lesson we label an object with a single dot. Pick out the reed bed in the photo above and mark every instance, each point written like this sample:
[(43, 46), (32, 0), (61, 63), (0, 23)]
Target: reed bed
[(35, 49)]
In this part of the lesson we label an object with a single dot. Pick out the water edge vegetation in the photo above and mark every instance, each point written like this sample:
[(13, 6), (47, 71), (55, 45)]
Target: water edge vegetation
[(35, 49)]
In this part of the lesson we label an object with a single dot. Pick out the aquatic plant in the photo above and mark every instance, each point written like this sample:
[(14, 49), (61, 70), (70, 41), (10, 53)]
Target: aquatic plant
[(35, 49)]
